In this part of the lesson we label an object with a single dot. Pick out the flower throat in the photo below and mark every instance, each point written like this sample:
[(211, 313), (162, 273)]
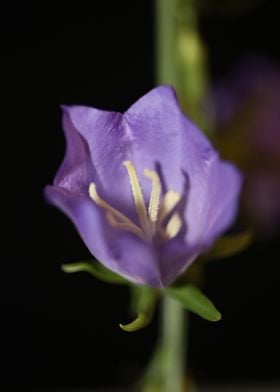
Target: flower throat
[(153, 221)]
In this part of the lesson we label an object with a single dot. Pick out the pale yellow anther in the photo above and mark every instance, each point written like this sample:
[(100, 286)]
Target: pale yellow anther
[(101, 203), (155, 194), (125, 226), (173, 226), (169, 202), (137, 195)]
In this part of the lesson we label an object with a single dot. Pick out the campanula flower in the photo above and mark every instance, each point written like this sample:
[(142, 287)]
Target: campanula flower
[(145, 189), (261, 200), (248, 118), (246, 105)]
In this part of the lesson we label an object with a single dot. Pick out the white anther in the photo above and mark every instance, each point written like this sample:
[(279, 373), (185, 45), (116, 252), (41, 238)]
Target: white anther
[(169, 202), (173, 226)]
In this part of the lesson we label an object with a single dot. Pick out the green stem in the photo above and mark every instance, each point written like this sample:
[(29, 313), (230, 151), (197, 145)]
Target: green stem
[(181, 57), (173, 345), (165, 36), (167, 369)]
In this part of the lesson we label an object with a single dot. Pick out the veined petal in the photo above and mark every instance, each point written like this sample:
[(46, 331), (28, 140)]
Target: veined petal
[(76, 170), (109, 145), (224, 187), (169, 142), (212, 200), (158, 128)]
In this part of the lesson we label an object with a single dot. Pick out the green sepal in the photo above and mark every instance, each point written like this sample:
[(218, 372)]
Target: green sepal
[(143, 304), (95, 269), (192, 299), (229, 246), (140, 322)]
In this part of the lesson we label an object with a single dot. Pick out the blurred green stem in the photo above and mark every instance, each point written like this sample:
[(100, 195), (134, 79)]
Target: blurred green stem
[(181, 57), (165, 37), (173, 344), (167, 369)]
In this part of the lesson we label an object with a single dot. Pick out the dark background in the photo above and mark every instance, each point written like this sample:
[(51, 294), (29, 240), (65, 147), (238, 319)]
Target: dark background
[(61, 331)]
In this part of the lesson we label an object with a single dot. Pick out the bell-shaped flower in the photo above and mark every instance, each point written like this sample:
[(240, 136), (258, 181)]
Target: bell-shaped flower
[(145, 189), (247, 114)]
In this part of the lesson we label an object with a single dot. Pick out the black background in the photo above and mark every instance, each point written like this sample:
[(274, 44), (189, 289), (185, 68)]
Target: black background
[(62, 330)]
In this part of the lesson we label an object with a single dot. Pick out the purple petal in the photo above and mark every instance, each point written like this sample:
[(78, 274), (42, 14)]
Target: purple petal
[(153, 134), (167, 141), (174, 257), (87, 217), (121, 252), (159, 130), (76, 170), (224, 187), (109, 144)]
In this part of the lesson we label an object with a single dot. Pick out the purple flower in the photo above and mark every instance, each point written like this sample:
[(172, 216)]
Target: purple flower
[(146, 190), (248, 118), (249, 98), (261, 200)]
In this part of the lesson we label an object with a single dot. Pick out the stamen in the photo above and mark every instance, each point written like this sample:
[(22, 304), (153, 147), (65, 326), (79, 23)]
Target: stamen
[(151, 221), (101, 203), (155, 194), (173, 226), (125, 226), (169, 202), (137, 195)]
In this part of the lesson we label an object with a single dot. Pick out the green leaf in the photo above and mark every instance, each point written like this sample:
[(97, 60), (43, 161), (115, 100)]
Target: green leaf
[(229, 246), (143, 303), (192, 299), (95, 269)]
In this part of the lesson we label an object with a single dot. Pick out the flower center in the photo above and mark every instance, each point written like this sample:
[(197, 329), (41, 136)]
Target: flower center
[(152, 220)]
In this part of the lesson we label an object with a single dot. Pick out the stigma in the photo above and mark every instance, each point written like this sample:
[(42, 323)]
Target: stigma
[(157, 220)]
